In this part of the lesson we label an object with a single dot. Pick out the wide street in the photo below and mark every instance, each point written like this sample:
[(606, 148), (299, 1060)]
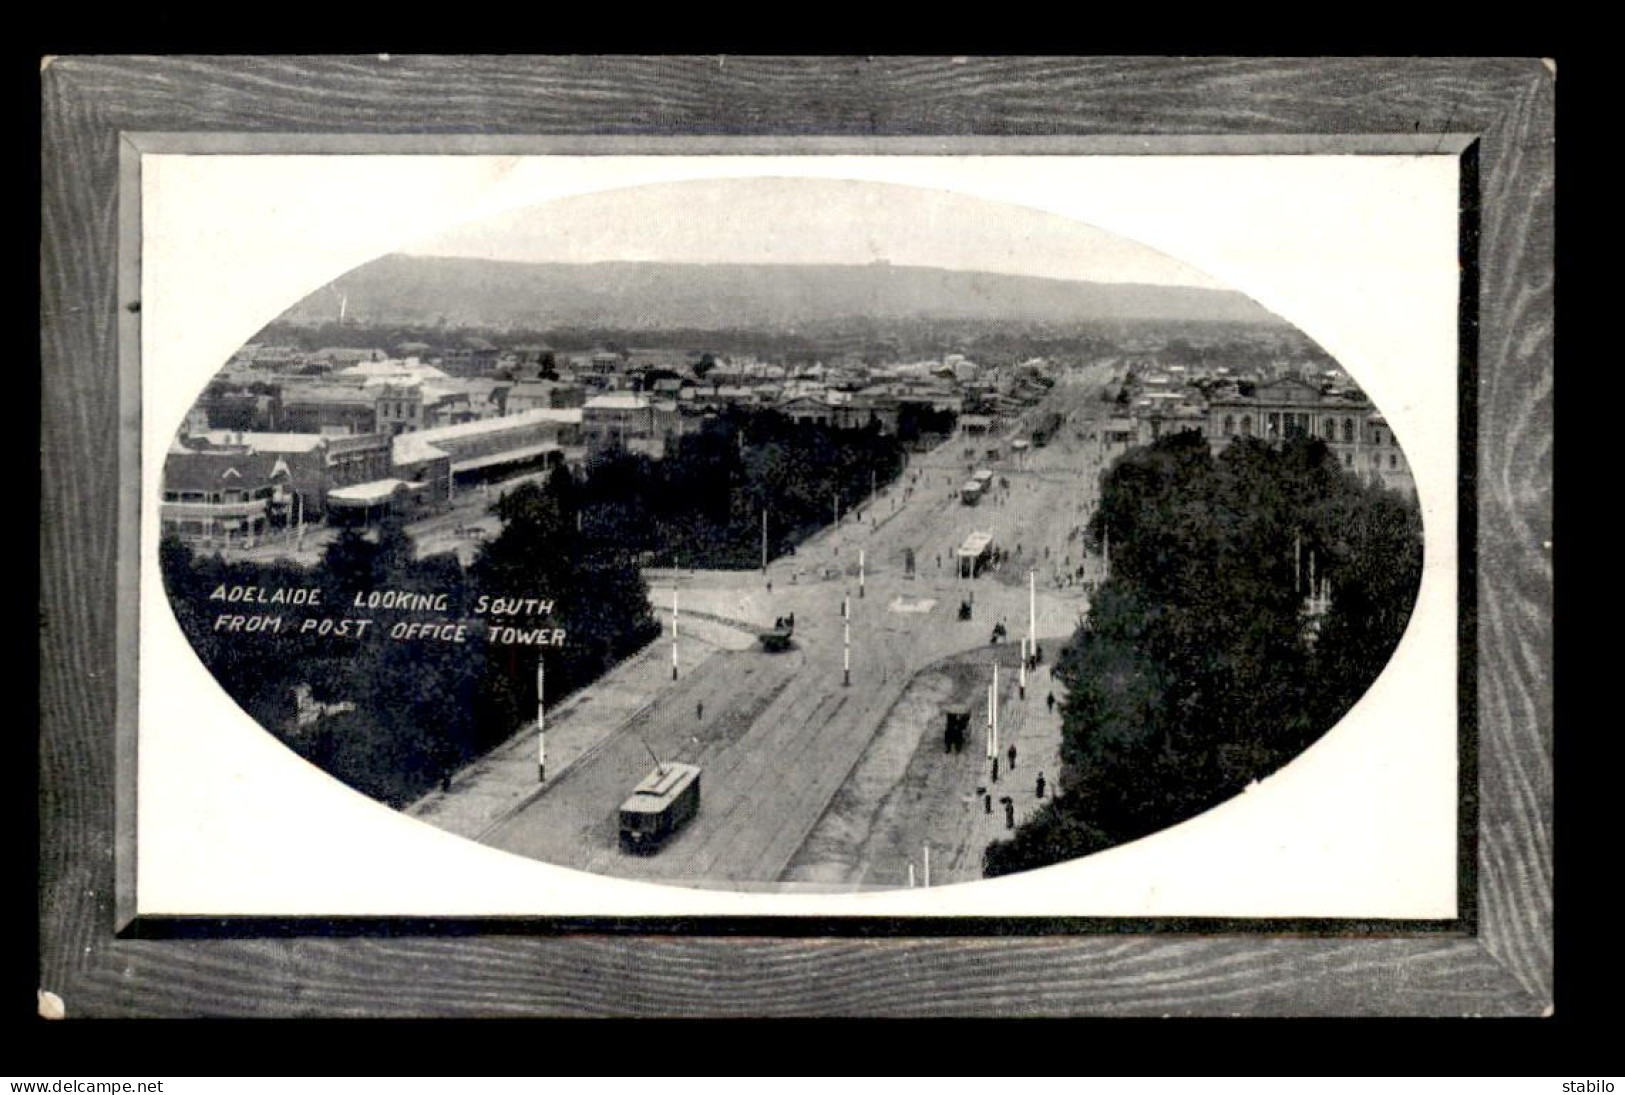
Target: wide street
[(781, 737)]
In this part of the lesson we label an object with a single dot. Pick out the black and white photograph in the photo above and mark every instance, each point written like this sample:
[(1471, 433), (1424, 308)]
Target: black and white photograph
[(806, 535), (984, 535)]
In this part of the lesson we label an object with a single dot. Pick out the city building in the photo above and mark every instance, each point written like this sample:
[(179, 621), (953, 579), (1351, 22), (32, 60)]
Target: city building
[(228, 488), (629, 420), (328, 409), (1357, 434), (514, 439)]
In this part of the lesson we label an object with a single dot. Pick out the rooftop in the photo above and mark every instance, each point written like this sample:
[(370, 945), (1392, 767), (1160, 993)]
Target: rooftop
[(353, 396), (411, 448), (374, 493), (976, 543), (497, 425), (619, 401), (265, 442), (220, 470)]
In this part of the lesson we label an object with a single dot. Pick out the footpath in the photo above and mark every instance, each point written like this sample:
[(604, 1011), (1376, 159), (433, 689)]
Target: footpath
[(493, 788)]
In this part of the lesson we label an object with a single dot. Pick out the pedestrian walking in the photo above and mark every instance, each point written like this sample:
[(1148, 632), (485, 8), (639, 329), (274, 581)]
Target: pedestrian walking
[(995, 769), (1040, 786), (1049, 701), (1011, 753), (699, 711), (1009, 812)]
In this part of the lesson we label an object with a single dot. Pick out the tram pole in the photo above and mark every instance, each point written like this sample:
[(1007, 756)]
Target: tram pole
[(987, 725), (541, 721), (995, 711), (1032, 610)]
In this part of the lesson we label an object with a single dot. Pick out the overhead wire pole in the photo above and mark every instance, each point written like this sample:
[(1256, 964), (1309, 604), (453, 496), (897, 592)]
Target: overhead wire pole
[(995, 712), (1032, 610), (764, 540), (674, 630), (987, 726), (860, 574), (541, 721)]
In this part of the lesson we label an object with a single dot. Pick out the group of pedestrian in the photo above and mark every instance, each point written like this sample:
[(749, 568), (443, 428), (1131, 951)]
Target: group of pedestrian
[(1007, 801)]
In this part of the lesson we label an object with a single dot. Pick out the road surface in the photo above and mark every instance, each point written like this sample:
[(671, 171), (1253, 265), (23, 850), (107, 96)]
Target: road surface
[(780, 735)]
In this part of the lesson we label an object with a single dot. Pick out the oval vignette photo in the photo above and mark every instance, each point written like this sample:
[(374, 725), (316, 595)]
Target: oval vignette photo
[(759, 534)]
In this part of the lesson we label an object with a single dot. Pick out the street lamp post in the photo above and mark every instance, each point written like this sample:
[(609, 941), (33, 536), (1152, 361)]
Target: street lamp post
[(541, 722)]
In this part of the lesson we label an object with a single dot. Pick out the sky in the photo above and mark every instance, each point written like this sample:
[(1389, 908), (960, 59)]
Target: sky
[(808, 220)]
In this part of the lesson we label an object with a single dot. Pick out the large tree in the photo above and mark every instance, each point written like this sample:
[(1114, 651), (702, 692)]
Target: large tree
[(1197, 669)]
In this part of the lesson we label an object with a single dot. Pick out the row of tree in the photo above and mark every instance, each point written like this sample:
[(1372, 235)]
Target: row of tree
[(1199, 668), (701, 505)]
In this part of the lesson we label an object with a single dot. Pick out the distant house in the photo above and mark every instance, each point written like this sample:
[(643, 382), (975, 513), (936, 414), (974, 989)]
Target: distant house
[(807, 409), (532, 354), (534, 395), (616, 420), (236, 410), (329, 409), (471, 357), (339, 357)]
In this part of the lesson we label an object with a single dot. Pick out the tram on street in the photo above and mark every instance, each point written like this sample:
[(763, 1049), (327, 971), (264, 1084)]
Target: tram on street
[(659, 806)]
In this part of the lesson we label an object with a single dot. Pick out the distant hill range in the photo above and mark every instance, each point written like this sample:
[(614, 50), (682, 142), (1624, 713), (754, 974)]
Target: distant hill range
[(411, 289)]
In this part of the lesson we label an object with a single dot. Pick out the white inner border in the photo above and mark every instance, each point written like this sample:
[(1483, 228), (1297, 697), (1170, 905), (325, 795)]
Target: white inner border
[(1360, 252)]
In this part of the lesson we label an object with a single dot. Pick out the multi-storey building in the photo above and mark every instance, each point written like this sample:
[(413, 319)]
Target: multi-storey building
[(1344, 419), (400, 407), (630, 420)]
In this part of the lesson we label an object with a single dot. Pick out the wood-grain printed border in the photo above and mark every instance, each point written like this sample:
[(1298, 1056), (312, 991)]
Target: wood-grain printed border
[(89, 103)]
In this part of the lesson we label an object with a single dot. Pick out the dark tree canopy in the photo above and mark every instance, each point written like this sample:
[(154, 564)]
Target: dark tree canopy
[(1198, 669), (417, 709), (701, 505)]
